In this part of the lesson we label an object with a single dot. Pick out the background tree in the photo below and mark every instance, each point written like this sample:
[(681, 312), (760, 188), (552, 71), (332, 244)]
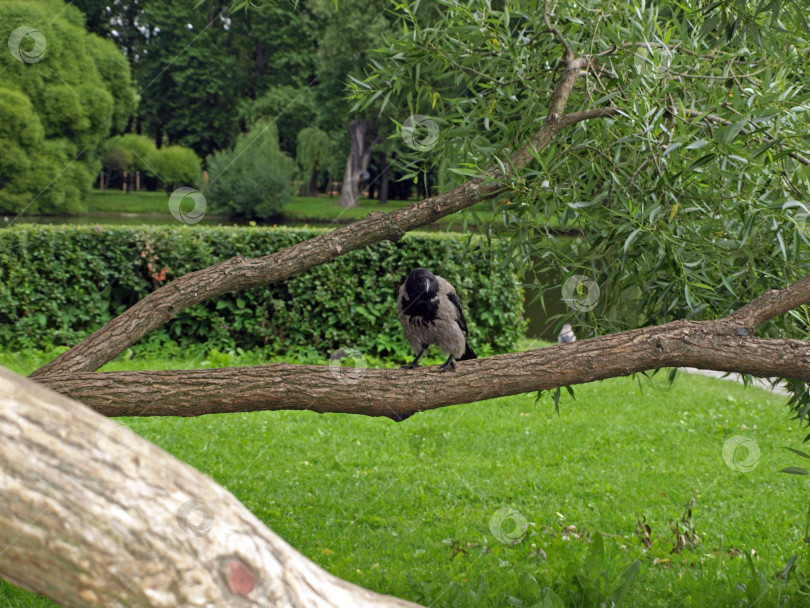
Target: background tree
[(290, 108), (177, 166), (132, 156), (254, 179), (62, 95), (312, 154)]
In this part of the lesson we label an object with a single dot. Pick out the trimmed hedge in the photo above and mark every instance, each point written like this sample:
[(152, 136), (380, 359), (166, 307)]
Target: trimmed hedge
[(60, 283)]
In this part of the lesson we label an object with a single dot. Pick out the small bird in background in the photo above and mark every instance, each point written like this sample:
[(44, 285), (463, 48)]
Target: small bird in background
[(566, 335), (430, 313)]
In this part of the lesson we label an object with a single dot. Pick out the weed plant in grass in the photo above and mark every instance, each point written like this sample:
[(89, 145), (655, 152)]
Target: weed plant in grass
[(505, 503)]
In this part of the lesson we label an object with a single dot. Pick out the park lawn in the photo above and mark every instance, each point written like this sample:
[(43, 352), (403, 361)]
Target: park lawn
[(408, 509), (115, 201), (299, 210)]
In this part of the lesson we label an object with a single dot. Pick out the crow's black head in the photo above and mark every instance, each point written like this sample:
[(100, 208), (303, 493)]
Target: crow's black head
[(421, 284)]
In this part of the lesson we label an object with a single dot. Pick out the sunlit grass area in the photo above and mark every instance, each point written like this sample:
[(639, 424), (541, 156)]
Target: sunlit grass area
[(416, 509)]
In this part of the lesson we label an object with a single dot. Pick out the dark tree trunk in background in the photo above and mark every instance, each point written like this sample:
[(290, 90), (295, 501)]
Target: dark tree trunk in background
[(372, 185), (356, 164), (312, 187), (384, 176)]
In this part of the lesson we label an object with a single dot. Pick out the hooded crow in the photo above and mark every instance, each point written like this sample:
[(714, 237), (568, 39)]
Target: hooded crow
[(430, 313), (566, 335)]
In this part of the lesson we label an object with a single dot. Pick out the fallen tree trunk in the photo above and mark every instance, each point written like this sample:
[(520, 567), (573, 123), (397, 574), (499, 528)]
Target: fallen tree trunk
[(93, 515), (726, 344)]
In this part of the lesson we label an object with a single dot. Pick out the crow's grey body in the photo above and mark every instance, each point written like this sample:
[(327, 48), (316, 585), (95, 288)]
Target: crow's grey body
[(431, 313), (566, 335)]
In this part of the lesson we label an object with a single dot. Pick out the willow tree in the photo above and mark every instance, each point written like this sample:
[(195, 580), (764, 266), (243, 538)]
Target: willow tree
[(312, 153), (667, 139)]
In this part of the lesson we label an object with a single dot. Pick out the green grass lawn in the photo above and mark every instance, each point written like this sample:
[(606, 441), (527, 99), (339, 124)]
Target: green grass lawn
[(409, 509), (115, 201), (299, 210)]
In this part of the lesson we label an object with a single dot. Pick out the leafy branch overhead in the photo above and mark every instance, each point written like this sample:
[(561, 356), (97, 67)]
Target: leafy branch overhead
[(688, 196)]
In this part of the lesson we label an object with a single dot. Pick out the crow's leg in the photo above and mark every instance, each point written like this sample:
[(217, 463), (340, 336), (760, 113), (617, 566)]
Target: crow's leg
[(449, 364), (415, 362)]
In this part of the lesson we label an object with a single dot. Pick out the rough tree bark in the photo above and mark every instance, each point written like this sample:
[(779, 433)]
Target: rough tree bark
[(240, 273), (356, 164), (726, 344), (93, 515)]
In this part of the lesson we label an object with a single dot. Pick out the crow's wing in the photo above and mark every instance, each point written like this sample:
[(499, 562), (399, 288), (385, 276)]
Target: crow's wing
[(460, 313)]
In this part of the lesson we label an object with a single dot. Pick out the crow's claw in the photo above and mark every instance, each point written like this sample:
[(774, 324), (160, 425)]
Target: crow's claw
[(449, 364)]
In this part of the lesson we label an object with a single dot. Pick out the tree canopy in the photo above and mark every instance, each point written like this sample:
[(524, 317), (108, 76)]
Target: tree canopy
[(63, 91), (687, 192)]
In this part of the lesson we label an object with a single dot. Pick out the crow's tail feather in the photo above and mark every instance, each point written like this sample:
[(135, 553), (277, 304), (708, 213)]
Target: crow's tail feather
[(468, 353)]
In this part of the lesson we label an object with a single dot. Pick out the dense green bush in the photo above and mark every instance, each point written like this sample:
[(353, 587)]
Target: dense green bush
[(59, 283), (177, 166), (129, 152), (62, 92), (254, 180)]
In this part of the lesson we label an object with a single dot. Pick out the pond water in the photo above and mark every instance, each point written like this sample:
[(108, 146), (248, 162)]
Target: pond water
[(538, 326)]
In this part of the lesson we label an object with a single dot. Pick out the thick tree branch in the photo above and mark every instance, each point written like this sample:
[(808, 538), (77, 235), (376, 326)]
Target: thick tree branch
[(772, 304), (93, 515), (162, 304), (717, 345)]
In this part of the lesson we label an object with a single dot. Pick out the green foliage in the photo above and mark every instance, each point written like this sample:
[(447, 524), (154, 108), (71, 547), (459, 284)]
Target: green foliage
[(59, 283), (130, 152), (254, 179), (196, 66), (292, 109), (593, 582), (177, 166), (114, 70), (312, 149), (673, 216), (58, 102)]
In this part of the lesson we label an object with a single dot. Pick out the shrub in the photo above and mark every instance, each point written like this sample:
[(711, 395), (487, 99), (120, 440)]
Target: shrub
[(177, 166), (254, 179), (130, 152), (60, 283)]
